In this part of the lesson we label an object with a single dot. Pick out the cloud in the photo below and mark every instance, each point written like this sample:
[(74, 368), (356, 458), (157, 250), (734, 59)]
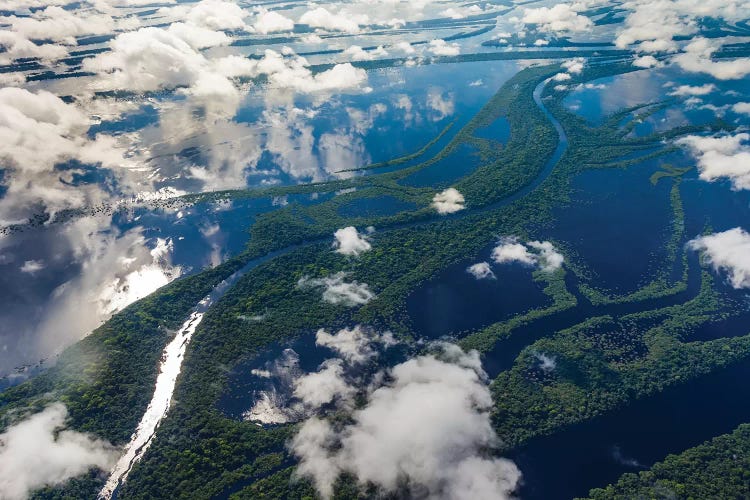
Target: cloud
[(534, 253), (322, 387), (348, 241), (697, 90), (210, 14), (574, 66), (741, 108), (268, 21), (323, 18), (337, 291), (510, 250), (655, 23), (425, 426), (39, 451), (440, 47), (728, 251), (353, 344), (60, 25), (32, 266), (115, 270), (546, 363), (561, 17), (481, 270), (696, 58), (448, 201), (646, 62), (38, 131), (549, 258), (723, 156), (440, 105)]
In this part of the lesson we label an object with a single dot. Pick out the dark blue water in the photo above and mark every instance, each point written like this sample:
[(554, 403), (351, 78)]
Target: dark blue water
[(499, 131), (455, 301), (594, 454), (375, 207), (618, 224), (461, 162)]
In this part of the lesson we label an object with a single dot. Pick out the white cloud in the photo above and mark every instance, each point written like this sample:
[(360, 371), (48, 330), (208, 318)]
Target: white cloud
[(696, 58), (429, 425), (325, 19), (353, 344), (481, 270), (646, 62), (728, 251), (339, 292), (724, 156), (561, 17), (16, 46), (60, 25), (549, 258), (39, 451), (440, 47), (441, 106), (32, 266), (741, 108), (269, 21), (448, 201), (214, 15), (348, 241), (510, 250), (655, 23), (547, 363), (535, 253), (322, 387), (574, 66), (37, 132), (697, 90), (115, 271)]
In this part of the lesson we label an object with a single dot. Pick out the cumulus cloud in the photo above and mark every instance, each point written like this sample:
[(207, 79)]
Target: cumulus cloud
[(425, 427), (696, 58), (327, 20), (269, 21), (39, 451), (548, 257), (353, 344), (38, 131), (60, 25), (741, 108), (542, 254), (653, 25), (728, 251), (448, 201), (561, 17), (32, 266), (510, 250), (348, 241), (693, 90), (546, 362), (322, 387), (440, 105), (481, 271), (210, 14), (440, 47), (337, 291), (726, 156), (646, 62)]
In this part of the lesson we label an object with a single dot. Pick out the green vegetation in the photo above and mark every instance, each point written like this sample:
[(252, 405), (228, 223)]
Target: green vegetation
[(719, 468), (485, 339), (605, 362)]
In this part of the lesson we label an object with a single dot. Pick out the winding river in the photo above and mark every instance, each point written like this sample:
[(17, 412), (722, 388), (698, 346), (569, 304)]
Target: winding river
[(174, 353)]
